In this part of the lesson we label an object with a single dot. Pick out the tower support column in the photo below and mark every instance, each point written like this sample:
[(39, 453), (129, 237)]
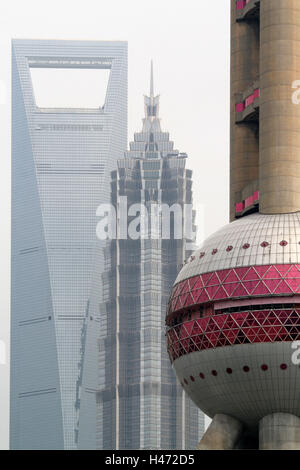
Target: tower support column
[(222, 434), (279, 431)]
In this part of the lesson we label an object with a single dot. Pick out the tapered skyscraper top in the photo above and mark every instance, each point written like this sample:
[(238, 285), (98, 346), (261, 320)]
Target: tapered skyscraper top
[(151, 142), (151, 122)]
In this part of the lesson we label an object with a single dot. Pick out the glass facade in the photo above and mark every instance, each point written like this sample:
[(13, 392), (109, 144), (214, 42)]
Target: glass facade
[(61, 165), (141, 405)]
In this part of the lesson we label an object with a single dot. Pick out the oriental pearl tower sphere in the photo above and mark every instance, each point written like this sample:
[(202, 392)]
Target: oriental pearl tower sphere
[(233, 318)]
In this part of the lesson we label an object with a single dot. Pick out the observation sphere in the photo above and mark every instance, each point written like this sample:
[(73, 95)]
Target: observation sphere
[(233, 320)]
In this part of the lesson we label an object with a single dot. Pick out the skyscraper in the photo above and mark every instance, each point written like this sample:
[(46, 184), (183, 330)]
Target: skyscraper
[(61, 163), (233, 322), (140, 403)]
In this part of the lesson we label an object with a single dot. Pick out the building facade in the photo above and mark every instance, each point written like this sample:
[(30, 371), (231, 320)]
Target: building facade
[(61, 163), (233, 322), (140, 403)]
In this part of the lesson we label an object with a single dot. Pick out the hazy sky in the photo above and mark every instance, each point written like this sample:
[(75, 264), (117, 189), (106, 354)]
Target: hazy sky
[(189, 44)]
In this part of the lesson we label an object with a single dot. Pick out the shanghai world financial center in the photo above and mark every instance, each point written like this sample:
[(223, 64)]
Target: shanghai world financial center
[(62, 163)]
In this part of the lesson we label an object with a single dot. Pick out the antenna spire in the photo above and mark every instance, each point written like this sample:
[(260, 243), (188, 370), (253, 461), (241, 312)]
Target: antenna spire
[(151, 81)]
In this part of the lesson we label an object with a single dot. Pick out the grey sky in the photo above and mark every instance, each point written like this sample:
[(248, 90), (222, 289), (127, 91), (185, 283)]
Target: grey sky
[(189, 44)]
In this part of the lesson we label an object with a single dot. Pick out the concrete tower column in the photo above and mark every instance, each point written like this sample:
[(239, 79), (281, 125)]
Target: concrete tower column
[(279, 136), (244, 148), (279, 431), (222, 434)]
